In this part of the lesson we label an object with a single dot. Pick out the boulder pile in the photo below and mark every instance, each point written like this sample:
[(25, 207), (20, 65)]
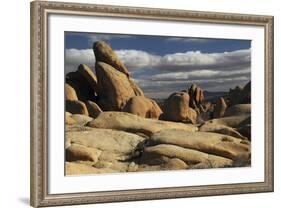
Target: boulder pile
[(111, 126)]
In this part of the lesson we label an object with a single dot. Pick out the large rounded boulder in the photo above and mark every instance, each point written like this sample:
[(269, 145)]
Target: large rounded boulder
[(176, 108), (70, 93), (142, 106), (114, 87)]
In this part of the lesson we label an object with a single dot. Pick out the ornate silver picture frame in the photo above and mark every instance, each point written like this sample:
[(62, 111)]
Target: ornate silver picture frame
[(40, 89)]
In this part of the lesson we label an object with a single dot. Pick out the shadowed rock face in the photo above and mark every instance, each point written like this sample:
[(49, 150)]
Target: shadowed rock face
[(93, 109), (89, 75), (84, 82), (176, 108), (104, 53), (76, 107), (237, 110), (240, 95)]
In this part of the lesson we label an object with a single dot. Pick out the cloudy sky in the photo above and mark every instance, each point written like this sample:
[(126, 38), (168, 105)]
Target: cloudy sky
[(162, 65)]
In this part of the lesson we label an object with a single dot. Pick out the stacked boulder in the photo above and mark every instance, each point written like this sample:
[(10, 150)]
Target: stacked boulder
[(84, 82), (232, 117), (80, 89), (111, 89), (117, 91)]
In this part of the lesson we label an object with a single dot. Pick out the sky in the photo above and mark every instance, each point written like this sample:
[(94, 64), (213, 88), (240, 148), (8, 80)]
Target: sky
[(161, 65)]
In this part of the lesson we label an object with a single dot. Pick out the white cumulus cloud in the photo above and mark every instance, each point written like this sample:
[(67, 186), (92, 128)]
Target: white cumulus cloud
[(171, 72)]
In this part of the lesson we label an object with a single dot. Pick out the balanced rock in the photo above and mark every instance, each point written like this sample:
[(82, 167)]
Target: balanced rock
[(220, 108), (76, 107), (136, 124), (176, 108), (70, 93), (104, 53), (93, 109), (142, 106), (114, 87), (84, 82), (211, 143)]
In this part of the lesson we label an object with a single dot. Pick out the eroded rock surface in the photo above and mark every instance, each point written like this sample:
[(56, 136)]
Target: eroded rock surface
[(136, 124)]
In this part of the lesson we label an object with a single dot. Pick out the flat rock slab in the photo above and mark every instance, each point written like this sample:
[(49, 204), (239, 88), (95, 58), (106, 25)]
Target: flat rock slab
[(76, 168), (105, 140), (221, 129), (132, 123), (231, 121), (211, 143), (189, 156)]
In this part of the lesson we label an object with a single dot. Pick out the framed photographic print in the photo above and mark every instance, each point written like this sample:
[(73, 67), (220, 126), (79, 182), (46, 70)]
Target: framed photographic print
[(143, 103)]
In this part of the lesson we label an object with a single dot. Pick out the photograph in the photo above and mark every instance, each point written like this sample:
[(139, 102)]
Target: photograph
[(136, 103)]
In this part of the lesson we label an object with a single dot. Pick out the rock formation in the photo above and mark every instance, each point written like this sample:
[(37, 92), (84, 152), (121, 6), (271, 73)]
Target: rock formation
[(176, 108), (114, 87), (76, 107), (221, 129), (237, 110), (136, 124), (220, 108), (83, 81), (142, 106), (240, 95), (114, 84), (196, 96), (211, 143), (104, 53), (112, 127), (93, 109), (70, 93)]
